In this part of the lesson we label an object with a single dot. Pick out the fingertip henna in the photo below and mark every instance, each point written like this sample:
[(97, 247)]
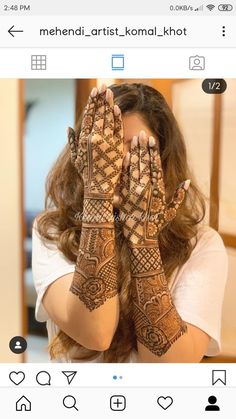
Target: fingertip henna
[(152, 141), (117, 110), (102, 88), (73, 144), (94, 92), (142, 135), (134, 142), (187, 184), (126, 160)]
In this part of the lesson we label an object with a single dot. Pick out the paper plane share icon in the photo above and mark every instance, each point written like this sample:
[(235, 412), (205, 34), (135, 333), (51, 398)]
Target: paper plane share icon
[(70, 375)]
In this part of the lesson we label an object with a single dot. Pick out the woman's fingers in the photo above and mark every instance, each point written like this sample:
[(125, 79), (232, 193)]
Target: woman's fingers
[(156, 167), (73, 143), (139, 164), (109, 97), (124, 177), (177, 200), (89, 112), (108, 128), (99, 114), (118, 126), (80, 160), (156, 170), (134, 164), (102, 88), (144, 159)]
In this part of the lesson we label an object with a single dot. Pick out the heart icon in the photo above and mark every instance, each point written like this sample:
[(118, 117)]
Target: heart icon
[(165, 402), (17, 377)]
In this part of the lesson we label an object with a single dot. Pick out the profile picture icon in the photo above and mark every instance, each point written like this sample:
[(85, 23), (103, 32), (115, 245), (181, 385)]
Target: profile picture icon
[(18, 345), (196, 62), (212, 406)]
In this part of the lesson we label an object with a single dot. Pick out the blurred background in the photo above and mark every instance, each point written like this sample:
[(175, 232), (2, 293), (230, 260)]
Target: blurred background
[(34, 117)]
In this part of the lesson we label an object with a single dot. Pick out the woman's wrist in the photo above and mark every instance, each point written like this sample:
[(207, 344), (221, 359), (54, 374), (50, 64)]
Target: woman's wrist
[(157, 322), (95, 278), (145, 260), (98, 210)]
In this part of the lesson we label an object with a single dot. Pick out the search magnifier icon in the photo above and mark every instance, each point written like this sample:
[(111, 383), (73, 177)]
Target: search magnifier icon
[(70, 402)]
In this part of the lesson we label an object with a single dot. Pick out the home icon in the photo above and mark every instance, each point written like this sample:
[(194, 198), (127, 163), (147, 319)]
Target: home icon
[(23, 404)]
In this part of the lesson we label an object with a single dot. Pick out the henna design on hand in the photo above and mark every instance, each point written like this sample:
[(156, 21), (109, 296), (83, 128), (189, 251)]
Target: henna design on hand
[(99, 147), (97, 154), (145, 213), (143, 208)]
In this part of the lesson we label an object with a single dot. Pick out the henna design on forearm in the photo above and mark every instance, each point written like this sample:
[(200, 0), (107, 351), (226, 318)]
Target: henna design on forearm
[(157, 323), (95, 280)]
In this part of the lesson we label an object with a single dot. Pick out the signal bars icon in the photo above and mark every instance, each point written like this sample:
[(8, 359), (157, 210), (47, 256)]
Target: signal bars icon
[(198, 8)]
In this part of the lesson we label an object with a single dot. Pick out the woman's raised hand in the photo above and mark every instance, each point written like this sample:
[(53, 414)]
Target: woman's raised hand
[(143, 208), (98, 152)]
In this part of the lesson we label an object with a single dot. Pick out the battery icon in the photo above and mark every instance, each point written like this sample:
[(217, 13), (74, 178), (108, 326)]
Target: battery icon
[(225, 7)]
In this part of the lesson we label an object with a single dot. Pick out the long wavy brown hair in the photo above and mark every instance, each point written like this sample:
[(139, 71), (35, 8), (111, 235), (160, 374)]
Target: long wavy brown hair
[(64, 200)]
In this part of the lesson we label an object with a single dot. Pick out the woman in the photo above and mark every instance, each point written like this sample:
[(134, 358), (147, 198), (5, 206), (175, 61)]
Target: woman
[(124, 269)]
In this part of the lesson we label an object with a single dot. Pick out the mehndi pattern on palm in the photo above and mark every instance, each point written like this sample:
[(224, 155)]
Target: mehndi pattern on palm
[(144, 214), (97, 155)]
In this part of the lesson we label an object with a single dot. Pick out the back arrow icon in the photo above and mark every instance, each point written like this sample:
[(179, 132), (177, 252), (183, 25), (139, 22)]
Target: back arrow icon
[(11, 31)]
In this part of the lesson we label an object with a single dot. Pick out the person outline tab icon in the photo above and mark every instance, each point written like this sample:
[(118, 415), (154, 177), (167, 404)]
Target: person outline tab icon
[(212, 404), (197, 62)]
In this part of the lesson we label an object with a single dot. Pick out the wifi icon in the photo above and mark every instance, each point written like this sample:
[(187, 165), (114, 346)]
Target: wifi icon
[(210, 7)]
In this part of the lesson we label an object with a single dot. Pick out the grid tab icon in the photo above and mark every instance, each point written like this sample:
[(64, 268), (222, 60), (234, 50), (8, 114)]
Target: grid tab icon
[(38, 62)]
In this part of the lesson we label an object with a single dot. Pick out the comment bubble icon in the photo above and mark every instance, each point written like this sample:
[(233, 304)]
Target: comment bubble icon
[(43, 378)]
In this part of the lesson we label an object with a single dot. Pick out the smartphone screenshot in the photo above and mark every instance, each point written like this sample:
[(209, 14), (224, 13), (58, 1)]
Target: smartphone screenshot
[(118, 209)]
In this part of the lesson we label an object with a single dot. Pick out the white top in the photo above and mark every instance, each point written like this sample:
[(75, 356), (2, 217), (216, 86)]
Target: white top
[(197, 288)]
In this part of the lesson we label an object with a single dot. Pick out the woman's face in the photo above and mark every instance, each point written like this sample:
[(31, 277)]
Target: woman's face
[(133, 124)]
